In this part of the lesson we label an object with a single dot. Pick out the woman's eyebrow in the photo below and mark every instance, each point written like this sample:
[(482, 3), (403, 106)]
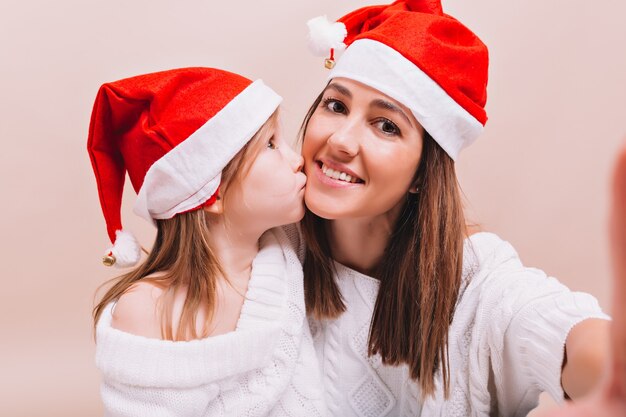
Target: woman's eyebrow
[(340, 89), (386, 105)]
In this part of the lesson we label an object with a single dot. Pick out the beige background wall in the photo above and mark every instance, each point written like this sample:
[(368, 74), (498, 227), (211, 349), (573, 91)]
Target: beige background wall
[(538, 176)]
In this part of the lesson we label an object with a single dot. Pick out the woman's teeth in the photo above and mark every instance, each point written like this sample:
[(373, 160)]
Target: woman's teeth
[(338, 175)]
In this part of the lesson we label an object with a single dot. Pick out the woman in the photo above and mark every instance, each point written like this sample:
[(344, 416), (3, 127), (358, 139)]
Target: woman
[(414, 313)]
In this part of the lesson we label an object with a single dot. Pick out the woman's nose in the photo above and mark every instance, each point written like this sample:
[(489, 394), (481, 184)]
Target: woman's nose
[(344, 141)]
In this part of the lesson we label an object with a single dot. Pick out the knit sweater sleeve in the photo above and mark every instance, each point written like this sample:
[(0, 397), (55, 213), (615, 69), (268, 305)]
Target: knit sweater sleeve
[(530, 316), (130, 387), (150, 377), (534, 342), (122, 400)]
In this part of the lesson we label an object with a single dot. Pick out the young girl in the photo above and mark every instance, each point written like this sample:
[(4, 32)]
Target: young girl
[(414, 313), (213, 321)]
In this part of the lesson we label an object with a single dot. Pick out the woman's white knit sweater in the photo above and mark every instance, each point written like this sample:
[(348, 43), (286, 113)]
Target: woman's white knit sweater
[(266, 367), (506, 341)]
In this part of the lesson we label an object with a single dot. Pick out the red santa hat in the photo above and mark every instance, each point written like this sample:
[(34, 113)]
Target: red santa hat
[(416, 54), (173, 132)]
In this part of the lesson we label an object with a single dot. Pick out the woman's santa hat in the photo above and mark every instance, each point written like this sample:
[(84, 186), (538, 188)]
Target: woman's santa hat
[(173, 132), (416, 54)]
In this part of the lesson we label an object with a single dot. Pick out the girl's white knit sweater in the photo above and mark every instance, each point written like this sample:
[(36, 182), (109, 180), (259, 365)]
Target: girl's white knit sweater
[(506, 341), (266, 367)]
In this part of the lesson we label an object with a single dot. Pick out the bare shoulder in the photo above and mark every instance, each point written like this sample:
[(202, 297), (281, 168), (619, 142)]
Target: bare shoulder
[(136, 311), (472, 229)]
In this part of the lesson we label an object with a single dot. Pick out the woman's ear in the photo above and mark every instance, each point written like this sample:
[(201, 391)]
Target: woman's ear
[(414, 189), (217, 207)]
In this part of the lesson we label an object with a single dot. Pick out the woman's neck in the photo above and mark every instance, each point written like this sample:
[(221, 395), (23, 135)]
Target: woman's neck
[(359, 243)]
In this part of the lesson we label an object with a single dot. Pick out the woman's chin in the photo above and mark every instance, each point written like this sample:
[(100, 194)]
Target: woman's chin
[(324, 211), (321, 205)]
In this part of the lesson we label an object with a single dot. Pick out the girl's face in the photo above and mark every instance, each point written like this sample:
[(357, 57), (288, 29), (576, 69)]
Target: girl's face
[(361, 151), (272, 191)]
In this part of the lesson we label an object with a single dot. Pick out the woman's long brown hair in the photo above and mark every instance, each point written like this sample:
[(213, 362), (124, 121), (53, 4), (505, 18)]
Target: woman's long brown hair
[(183, 253), (420, 272)]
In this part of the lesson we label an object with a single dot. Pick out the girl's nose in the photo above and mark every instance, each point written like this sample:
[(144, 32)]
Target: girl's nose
[(295, 159)]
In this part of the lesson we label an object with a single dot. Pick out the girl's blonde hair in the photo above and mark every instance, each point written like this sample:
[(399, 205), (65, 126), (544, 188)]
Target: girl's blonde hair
[(182, 252)]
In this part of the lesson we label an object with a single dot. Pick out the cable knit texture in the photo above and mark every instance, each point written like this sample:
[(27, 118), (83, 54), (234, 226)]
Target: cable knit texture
[(267, 366), (506, 341)]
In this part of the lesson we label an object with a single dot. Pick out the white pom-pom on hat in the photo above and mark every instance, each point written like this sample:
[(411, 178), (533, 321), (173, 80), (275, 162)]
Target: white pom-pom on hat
[(126, 250), (325, 35)]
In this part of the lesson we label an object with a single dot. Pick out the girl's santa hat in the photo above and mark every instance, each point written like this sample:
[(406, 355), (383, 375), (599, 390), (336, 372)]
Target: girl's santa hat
[(173, 132), (416, 54)]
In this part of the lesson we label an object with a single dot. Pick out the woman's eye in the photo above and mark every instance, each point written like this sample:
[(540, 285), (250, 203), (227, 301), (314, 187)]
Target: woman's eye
[(388, 127), (334, 106)]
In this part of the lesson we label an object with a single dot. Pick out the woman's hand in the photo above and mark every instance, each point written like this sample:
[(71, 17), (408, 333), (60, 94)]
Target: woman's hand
[(609, 399)]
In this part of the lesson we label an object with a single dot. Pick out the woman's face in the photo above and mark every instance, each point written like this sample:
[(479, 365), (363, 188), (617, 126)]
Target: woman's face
[(361, 151), (271, 194)]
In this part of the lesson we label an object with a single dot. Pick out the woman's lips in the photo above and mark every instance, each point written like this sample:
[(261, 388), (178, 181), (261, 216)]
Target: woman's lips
[(323, 178), (338, 168)]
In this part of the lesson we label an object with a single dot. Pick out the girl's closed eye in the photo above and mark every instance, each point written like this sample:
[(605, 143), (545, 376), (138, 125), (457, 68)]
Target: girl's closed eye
[(271, 144), (334, 106)]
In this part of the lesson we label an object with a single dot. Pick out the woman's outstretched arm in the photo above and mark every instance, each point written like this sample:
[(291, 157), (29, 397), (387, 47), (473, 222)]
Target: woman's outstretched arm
[(586, 357), (609, 398)]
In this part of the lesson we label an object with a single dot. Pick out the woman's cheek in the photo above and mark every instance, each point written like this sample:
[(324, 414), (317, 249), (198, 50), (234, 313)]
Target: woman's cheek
[(315, 134), (306, 149)]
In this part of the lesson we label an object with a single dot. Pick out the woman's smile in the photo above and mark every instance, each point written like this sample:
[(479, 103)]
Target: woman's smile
[(334, 174)]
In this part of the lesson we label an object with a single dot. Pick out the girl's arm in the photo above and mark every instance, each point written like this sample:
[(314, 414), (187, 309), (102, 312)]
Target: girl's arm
[(136, 311)]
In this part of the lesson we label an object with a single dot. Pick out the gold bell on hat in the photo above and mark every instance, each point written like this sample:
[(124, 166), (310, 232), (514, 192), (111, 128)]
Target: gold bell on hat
[(329, 62), (108, 260)]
